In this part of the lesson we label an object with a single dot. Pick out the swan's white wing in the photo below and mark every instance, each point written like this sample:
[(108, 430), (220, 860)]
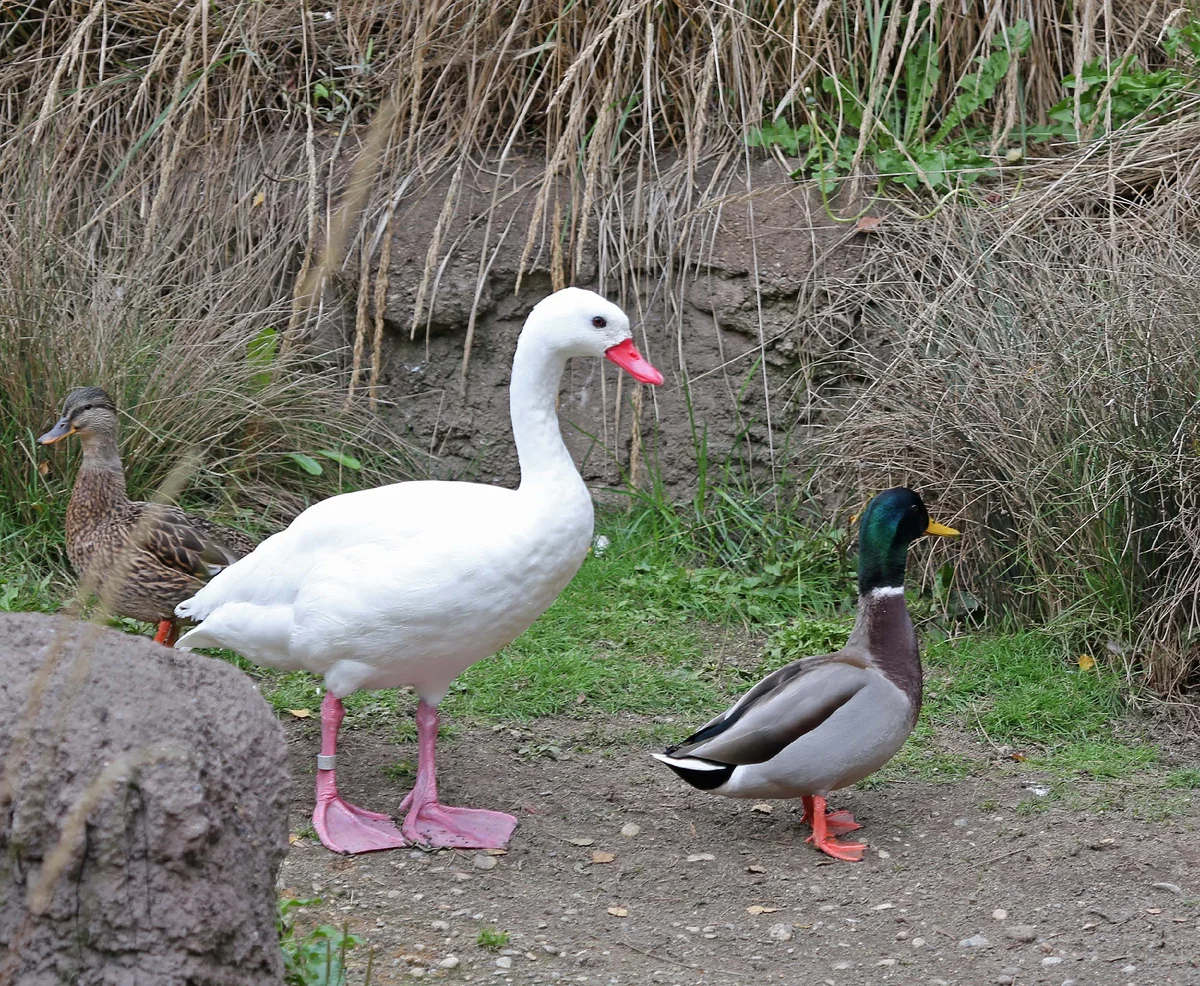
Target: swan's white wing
[(397, 518)]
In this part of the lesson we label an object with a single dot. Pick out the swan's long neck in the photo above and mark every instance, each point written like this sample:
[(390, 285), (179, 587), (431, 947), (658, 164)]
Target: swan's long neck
[(536, 375)]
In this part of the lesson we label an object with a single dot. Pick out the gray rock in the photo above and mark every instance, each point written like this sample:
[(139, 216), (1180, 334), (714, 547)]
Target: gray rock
[(1021, 932), (504, 962), (449, 962), (1052, 960), (1173, 888), (143, 811), (975, 941)]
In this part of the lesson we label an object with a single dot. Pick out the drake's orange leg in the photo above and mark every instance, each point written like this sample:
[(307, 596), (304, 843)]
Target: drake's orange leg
[(836, 822), (822, 836), (167, 632)]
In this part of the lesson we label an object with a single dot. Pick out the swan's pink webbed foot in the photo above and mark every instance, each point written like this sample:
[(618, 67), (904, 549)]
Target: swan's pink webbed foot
[(435, 825), (341, 826), (346, 828)]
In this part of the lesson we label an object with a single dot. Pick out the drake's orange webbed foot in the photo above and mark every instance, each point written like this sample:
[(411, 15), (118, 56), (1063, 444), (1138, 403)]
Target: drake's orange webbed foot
[(826, 825)]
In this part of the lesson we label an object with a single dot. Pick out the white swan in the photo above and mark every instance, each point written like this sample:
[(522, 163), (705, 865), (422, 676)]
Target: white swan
[(412, 583)]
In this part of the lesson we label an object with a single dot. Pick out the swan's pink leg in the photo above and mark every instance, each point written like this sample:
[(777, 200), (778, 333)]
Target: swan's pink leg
[(341, 826), (432, 824)]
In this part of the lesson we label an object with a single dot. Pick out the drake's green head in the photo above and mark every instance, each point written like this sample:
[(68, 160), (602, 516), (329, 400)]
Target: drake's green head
[(891, 522)]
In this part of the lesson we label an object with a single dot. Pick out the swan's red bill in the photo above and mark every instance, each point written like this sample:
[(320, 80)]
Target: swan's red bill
[(626, 356)]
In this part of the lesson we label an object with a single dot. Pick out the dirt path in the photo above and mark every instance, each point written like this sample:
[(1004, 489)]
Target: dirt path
[(961, 885)]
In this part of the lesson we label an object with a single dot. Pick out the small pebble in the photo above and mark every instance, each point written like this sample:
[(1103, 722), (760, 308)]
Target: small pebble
[(440, 926), (630, 829), (449, 962), (504, 962), (918, 943), (999, 914), (484, 862), (886, 962), (701, 857), (975, 941), (780, 932), (1052, 960), (843, 965), (1173, 888), (1129, 968), (1004, 979)]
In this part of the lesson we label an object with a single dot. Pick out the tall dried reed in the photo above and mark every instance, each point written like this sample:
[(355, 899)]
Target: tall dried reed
[(1043, 385)]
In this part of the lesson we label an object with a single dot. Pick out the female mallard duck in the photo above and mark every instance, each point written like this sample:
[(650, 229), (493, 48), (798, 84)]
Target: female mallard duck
[(162, 554), (822, 723)]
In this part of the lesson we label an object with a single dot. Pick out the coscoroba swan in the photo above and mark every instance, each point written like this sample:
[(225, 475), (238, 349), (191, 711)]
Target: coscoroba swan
[(412, 583)]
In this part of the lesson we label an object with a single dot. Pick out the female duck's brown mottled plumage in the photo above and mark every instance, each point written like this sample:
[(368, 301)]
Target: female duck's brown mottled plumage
[(141, 559)]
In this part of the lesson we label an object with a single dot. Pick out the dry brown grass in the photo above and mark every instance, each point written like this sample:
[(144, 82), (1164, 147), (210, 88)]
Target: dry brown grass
[(1043, 384), (638, 111)]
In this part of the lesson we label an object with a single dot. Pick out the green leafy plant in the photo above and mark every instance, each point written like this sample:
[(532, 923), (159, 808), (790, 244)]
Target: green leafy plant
[(311, 466), (900, 143), (1116, 94), (261, 351), (319, 957), (491, 939)]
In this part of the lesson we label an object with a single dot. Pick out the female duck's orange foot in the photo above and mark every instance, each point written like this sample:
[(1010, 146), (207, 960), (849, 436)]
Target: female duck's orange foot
[(167, 632), (826, 826)]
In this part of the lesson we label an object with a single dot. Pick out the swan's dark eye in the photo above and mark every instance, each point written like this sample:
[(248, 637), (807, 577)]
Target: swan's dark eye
[(599, 321)]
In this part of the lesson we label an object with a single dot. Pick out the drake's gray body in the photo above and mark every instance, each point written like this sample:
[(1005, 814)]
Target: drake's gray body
[(819, 723)]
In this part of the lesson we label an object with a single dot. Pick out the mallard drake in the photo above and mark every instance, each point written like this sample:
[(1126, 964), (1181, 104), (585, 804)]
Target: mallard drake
[(410, 584), (176, 552), (823, 723)]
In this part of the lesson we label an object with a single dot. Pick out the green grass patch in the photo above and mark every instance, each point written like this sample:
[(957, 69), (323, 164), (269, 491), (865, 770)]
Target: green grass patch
[(491, 939), (1186, 780), (1019, 688)]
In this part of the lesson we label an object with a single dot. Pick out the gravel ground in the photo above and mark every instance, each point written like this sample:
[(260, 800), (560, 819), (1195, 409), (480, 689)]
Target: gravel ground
[(619, 874)]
